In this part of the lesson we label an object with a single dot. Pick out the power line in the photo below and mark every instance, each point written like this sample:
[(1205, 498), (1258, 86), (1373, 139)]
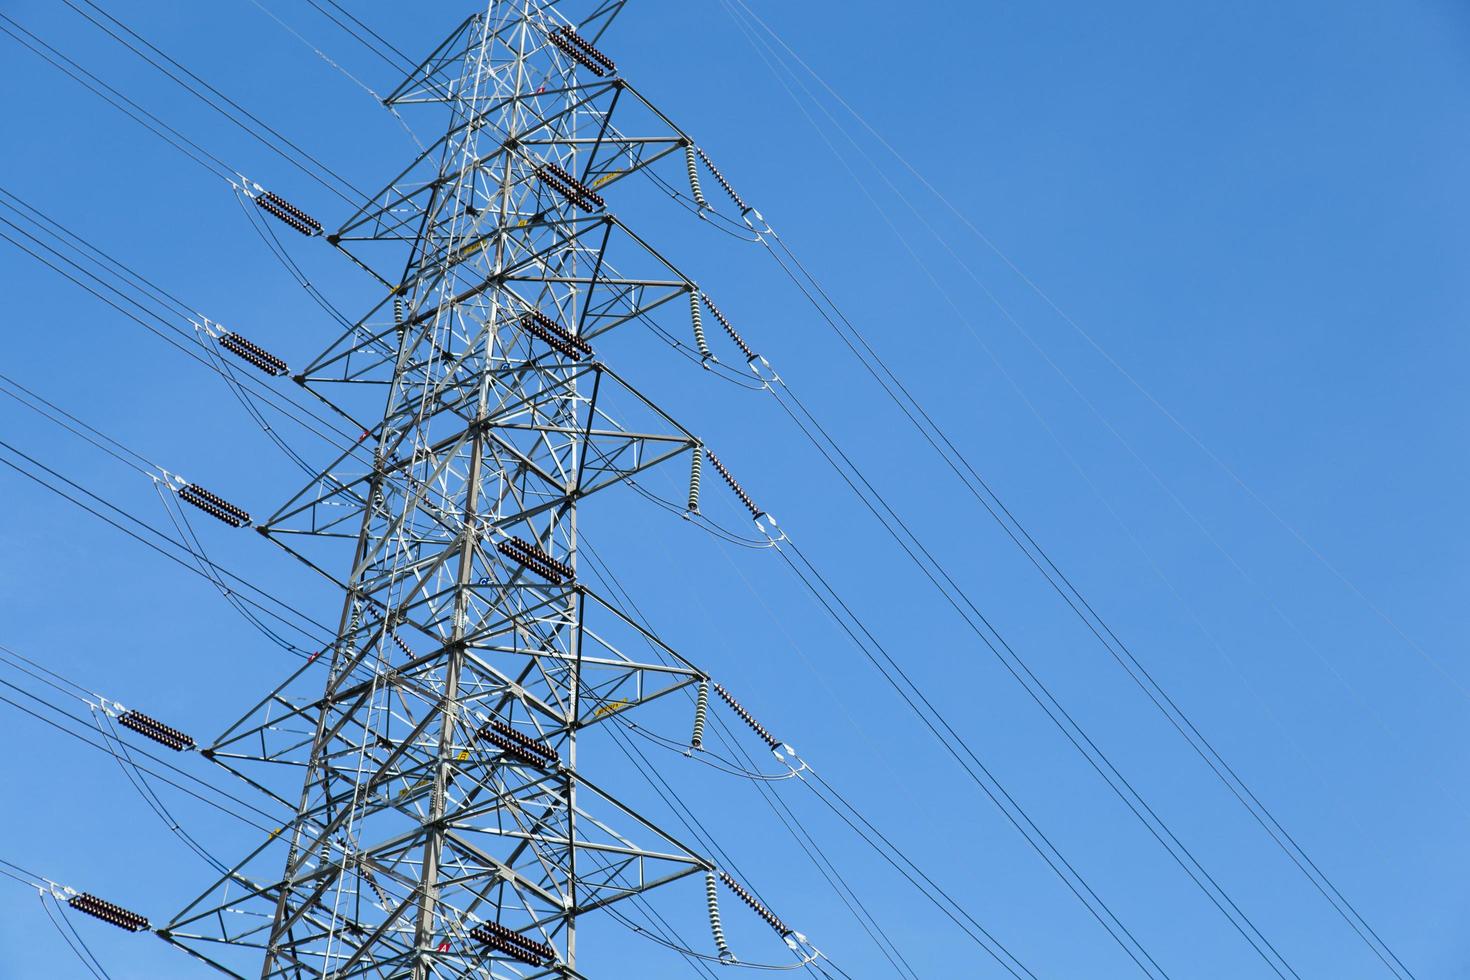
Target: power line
[(1061, 584)]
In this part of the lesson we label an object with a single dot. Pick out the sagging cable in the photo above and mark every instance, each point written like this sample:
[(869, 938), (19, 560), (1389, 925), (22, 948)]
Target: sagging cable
[(569, 187), (691, 162), (555, 336), (529, 556), (701, 712), (156, 730), (695, 463), (249, 352), (213, 505), (716, 928), (513, 944), (278, 207), (697, 319), (580, 50), (715, 172), (755, 512), (116, 915), (515, 743), (750, 355)]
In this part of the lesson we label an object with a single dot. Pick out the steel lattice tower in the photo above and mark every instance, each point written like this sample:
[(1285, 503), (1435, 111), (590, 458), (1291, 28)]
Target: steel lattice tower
[(443, 828)]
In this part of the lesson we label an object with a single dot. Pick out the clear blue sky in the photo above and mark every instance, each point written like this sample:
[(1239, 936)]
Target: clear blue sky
[(1257, 209)]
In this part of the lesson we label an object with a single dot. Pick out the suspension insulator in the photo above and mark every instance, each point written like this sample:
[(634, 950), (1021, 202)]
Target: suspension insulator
[(756, 905), (712, 899), (516, 743), (701, 711), (555, 336), (246, 351), (729, 329), (156, 730), (214, 506), (739, 203), (698, 320), (407, 652), (696, 460), (398, 316), (755, 511), (513, 944), (115, 914), (569, 187), (366, 873), (533, 558), (289, 213), (746, 717), (580, 50), (690, 162)]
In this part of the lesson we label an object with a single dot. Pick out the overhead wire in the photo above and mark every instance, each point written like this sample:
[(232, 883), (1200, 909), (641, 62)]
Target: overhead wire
[(1073, 324), (232, 804), (941, 579), (1043, 697), (681, 810), (95, 6), (205, 563), (605, 574), (881, 844), (403, 63), (943, 732), (150, 536), (1065, 589), (161, 326), (150, 53), (69, 935), (381, 102), (814, 851), (186, 540), (67, 66)]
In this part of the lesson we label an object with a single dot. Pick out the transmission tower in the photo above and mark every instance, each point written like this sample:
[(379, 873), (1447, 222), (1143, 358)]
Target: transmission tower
[(443, 827)]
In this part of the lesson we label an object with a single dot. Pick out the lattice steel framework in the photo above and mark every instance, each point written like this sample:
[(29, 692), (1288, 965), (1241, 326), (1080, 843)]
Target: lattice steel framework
[(443, 828)]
